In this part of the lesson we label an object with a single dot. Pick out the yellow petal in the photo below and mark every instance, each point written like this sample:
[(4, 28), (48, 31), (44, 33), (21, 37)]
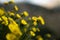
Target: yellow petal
[(38, 29), (1, 12), (48, 35), (26, 13), (34, 29), (41, 19), (10, 36), (34, 18), (39, 37), (23, 22), (15, 29), (32, 33), (0, 19), (11, 13), (34, 23), (18, 16), (16, 8), (4, 18), (12, 0)]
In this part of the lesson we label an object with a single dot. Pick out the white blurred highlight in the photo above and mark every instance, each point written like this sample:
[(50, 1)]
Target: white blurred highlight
[(45, 3), (49, 4)]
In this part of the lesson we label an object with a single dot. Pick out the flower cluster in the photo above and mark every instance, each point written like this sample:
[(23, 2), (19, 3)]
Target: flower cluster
[(23, 27)]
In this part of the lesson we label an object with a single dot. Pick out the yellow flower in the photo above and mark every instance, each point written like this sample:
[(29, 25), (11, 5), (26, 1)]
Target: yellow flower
[(48, 35), (29, 18), (11, 20), (6, 3), (25, 29), (27, 25), (23, 22), (41, 19), (34, 29), (12, 0), (16, 8), (13, 26), (5, 23), (25, 13), (32, 33), (0, 19), (10, 36), (34, 18), (1, 12), (18, 16), (38, 29), (11, 13), (5, 20), (39, 38), (34, 23)]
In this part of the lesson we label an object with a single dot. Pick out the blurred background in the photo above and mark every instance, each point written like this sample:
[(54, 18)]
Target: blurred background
[(44, 3), (49, 9)]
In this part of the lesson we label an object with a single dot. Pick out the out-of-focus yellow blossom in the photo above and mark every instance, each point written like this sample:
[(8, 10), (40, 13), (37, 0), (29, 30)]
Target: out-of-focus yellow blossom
[(34, 29), (34, 23), (10, 36), (18, 16), (25, 29), (23, 22), (27, 25), (39, 38), (25, 13), (38, 29), (11, 13), (29, 18), (16, 8), (5, 20), (32, 33), (48, 35), (0, 19), (34, 18), (1, 12), (5, 23), (12, 0), (6, 3), (11, 20), (14, 28), (41, 20)]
